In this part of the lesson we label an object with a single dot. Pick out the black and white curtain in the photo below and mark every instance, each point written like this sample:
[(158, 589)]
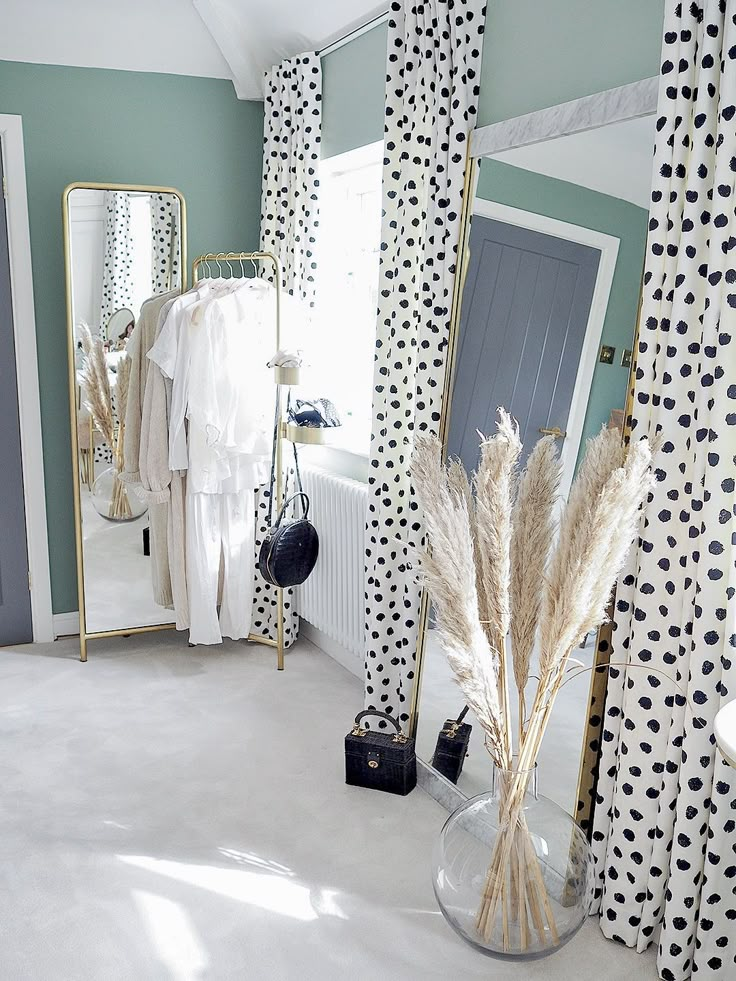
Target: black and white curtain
[(432, 86), (117, 257), (289, 224), (291, 152), (165, 243), (665, 824)]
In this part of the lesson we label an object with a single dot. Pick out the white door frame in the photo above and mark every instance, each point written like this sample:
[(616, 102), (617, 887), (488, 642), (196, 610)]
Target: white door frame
[(608, 246), (26, 365)]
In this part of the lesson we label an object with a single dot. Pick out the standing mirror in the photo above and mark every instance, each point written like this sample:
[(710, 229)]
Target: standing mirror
[(551, 281), (123, 245)]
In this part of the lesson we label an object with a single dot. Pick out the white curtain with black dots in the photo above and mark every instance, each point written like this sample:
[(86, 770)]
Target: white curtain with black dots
[(289, 226), (165, 244), (292, 140), (665, 824), (117, 257), (433, 76)]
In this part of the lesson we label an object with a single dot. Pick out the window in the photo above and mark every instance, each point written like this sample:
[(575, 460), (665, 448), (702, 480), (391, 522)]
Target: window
[(343, 334)]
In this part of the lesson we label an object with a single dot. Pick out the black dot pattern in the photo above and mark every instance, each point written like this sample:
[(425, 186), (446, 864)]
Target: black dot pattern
[(665, 821), (292, 140), (117, 257), (289, 226), (432, 86), (166, 245)]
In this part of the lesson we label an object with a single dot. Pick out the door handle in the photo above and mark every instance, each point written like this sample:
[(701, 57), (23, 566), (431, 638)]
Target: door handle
[(554, 431)]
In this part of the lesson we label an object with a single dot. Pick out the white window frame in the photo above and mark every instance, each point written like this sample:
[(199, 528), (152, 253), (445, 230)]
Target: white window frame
[(26, 364)]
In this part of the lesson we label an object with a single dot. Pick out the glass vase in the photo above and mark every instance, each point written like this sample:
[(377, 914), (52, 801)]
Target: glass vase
[(513, 873), (113, 500)]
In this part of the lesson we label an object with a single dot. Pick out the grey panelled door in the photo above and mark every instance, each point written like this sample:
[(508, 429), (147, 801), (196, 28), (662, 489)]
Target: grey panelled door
[(15, 598), (525, 310)]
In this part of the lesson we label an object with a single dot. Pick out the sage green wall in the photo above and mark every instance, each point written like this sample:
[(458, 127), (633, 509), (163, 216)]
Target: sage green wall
[(126, 127), (353, 88), (536, 53), (571, 203)]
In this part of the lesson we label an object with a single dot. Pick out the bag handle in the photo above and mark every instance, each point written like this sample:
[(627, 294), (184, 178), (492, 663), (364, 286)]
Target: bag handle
[(272, 480), (286, 505), (382, 715)]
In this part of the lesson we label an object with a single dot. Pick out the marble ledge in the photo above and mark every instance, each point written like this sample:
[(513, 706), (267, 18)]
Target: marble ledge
[(590, 112)]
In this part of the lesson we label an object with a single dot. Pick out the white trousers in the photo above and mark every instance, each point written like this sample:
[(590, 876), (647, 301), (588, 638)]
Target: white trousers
[(220, 528)]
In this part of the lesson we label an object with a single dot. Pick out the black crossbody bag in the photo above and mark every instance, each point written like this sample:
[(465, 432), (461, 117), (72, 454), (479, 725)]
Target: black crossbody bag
[(290, 549)]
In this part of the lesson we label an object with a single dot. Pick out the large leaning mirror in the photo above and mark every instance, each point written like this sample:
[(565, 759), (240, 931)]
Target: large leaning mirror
[(123, 245), (551, 284)]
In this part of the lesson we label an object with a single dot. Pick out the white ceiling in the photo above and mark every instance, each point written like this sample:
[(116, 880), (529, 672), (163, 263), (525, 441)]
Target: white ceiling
[(614, 159), (236, 39)]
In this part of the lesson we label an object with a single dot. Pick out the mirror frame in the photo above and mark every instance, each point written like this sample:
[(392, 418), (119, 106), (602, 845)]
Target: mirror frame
[(589, 112), (84, 634)]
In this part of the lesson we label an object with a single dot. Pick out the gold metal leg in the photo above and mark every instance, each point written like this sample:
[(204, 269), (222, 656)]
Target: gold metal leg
[(279, 502), (82, 647), (280, 631)]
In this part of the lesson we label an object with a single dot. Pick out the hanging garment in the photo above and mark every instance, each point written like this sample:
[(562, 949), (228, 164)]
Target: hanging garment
[(229, 406), (231, 394), (137, 348), (220, 529), (163, 487)]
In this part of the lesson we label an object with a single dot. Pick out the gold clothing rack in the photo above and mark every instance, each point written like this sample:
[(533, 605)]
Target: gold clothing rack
[(282, 376)]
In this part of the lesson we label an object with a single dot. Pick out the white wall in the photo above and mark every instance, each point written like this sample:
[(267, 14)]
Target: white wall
[(87, 230)]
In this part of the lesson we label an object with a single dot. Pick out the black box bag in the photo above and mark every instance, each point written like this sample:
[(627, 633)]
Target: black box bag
[(380, 760), (452, 747)]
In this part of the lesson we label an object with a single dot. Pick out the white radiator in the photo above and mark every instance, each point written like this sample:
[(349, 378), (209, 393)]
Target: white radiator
[(332, 599)]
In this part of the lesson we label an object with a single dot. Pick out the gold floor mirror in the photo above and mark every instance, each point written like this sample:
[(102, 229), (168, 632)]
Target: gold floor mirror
[(124, 252), (544, 320)]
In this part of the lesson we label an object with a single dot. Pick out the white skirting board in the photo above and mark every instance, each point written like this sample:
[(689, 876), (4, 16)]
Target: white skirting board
[(350, 661), (66, 624)]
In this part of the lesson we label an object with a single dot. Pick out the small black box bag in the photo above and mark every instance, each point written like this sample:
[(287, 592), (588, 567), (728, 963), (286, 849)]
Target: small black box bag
[(380, 760), (452, 747)]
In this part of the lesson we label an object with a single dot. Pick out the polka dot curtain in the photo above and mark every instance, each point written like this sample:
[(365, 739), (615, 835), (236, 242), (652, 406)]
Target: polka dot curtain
[(117, 257), (291, 153), (433, 74), (665, 823), (289, 225)]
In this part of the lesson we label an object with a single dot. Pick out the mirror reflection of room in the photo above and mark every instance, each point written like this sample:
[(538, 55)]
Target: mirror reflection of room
[(125, 261), (550, 303)]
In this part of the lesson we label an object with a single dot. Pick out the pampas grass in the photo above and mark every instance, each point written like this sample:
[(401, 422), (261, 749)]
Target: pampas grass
[(533, 532), (493, 567), (449, 573), (99, 404)]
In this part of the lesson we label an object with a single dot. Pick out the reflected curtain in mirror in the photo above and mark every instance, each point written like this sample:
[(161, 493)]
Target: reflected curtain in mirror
[(117, 257)]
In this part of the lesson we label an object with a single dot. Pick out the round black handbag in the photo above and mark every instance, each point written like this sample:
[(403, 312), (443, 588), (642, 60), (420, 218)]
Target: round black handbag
[(290, 549)]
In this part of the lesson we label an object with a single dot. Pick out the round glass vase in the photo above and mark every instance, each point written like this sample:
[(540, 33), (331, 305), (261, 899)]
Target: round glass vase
[(113, 500), (513, 873)]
